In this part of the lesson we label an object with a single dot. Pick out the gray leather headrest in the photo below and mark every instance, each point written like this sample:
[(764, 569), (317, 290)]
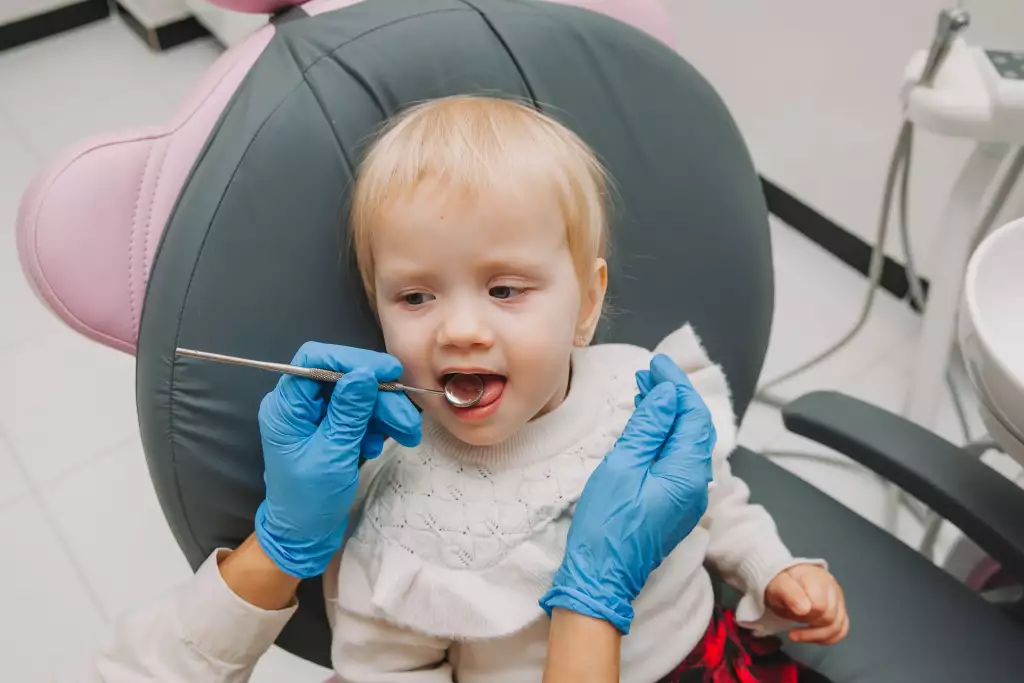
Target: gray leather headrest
[(253, 262)]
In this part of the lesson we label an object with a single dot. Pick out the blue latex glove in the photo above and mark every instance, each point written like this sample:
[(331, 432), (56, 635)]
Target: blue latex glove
[(311, 450), (645, 497)]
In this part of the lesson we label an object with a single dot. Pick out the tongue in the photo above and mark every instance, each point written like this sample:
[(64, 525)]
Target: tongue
[(493, 386), (467, 387)]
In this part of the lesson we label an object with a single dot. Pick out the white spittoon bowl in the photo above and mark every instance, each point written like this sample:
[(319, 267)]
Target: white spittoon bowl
[(991, 331)]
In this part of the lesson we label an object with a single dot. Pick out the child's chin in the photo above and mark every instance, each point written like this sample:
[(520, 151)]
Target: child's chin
[(480, 434)]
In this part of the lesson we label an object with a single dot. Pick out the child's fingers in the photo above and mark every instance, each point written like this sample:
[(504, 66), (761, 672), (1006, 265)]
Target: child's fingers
[(843, 617), (822, 635), (816, 590), (843, 632), (818, 593), (791, 594), (836, 611), (831, 612), (818, 634)]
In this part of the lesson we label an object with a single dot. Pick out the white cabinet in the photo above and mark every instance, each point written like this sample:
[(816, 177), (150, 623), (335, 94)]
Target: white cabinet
[(229, 27), (153, 14)]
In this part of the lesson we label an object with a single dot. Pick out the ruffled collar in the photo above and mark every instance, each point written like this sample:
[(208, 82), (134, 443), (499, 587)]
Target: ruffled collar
[(460, 542)]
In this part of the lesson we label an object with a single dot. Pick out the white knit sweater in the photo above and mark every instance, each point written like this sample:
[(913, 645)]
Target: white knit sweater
[(451, 546)]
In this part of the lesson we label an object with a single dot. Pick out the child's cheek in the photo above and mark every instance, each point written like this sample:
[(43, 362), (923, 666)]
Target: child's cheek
[(395, 342)]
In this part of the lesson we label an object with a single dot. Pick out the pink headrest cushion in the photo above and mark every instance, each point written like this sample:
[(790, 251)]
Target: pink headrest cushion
[(90, 222)]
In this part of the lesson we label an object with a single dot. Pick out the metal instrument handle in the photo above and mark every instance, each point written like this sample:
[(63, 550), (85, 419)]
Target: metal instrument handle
[(318, 374)]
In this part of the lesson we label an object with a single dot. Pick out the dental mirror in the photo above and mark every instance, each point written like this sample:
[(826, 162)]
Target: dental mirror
[(464, 391), (461, 391)]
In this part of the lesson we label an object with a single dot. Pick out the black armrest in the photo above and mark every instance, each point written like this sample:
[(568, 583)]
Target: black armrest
[(983, 504)]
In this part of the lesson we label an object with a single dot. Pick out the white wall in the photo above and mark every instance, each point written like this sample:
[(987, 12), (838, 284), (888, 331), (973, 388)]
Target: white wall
[(997, 23), (814, 87)]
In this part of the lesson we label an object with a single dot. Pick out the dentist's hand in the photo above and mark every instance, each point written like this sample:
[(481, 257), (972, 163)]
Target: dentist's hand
[(311, 450), (645, 497)]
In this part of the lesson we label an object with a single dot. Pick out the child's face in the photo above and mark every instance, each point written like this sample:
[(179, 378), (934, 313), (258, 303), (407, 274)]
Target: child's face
[(485, 287)]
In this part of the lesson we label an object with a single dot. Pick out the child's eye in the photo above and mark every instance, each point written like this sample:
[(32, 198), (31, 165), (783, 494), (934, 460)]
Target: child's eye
[(505, 292), (416, 298)]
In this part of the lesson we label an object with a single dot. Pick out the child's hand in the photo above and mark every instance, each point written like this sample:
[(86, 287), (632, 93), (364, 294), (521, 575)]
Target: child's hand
[(811, 595)]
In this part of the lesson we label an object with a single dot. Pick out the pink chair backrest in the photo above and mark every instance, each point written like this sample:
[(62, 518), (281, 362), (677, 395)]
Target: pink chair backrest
[(90, 222)]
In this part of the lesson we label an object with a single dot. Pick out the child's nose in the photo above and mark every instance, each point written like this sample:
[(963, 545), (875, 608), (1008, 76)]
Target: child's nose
[(464, 327)]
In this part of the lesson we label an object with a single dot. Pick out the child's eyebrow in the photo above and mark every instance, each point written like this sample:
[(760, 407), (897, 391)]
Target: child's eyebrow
[(395, 273), (513, 263)]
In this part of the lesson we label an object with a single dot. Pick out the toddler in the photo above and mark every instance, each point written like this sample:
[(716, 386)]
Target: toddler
[(479, 229)]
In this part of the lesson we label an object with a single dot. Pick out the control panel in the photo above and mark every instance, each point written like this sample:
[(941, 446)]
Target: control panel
[(976, 93)]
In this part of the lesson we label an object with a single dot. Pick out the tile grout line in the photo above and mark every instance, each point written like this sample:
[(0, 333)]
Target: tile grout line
[(35, 493), (100, 456), (26, 141), (38, 336), (843, 378), (7, 503)]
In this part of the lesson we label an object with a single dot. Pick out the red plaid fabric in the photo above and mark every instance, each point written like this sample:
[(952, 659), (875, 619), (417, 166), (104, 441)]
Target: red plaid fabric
[(730, 654)]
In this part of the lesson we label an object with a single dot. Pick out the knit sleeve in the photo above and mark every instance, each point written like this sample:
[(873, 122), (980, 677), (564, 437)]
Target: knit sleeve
[(744, 545), (745, 548), (201, 632)]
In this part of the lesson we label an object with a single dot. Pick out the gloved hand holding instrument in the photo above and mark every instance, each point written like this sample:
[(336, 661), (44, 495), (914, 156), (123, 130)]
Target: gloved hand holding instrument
[(311, 449)]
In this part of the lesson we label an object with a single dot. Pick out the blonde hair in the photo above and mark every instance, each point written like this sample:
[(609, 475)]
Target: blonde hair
[(474, 144)]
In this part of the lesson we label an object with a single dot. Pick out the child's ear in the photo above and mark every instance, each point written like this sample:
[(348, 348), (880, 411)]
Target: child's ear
[(592, 302)]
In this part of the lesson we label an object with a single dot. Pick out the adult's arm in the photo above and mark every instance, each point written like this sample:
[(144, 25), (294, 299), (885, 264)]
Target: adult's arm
[(581, 649), (644, 498), (253, 576), (215, 627)]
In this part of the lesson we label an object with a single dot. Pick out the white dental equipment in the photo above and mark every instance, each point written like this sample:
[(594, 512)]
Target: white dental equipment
[(991, 333), (991, 329), (956, 90)]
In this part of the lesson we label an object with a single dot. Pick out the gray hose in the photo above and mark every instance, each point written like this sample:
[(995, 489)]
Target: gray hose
[(932, 522), (900, 164), (810, 455), (914, 288), (1000, 196), (899, 169), (898, 158)]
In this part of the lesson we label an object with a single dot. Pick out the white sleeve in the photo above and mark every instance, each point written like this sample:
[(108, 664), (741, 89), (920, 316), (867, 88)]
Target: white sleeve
[(367, 650), (744, 544), (201, 632)]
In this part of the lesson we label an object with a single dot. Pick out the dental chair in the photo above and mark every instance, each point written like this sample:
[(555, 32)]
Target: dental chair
[(225, 231)]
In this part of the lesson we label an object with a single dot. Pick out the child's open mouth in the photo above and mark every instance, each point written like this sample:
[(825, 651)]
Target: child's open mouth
[(466, 386)]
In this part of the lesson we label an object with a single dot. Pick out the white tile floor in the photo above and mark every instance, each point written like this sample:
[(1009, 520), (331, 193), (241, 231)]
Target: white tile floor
[(84, 535)]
